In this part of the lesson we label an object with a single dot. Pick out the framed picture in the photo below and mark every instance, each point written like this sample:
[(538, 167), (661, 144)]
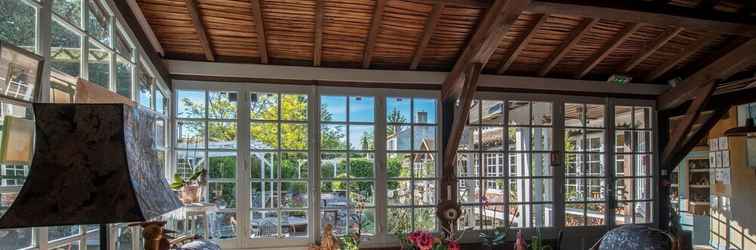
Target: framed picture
[(20, 73), (724, 143), (726, 159), (713, 144)]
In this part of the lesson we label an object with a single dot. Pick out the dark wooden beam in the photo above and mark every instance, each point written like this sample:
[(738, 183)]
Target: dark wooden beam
[(721, 69), (747, 10), (706, 5), (199, 26), (583, 28), (608, 49), (495, 24), (684, 54), (430, 27), (262, 42), (479, 4), (650, 13), (650, 48), (141, 37), (317, 51), (518, 46), (679, 134), (375, 27)]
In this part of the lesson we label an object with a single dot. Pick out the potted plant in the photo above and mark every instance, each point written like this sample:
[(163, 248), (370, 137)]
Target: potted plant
[(190, 189)]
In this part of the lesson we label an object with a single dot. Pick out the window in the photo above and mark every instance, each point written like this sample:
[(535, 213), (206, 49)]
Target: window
[(98, 21), (99, 65), (633, 165), (70, 10), (585, 167), (279, 144), (207, 140), (146, 81), (347, 162), (18, 22), (65, 50), (518, 190), (411, 153)]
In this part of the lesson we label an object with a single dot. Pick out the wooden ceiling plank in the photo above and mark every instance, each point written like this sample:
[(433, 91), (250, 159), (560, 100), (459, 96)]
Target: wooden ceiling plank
[(430, 27), (684, 53), (520, 45), (491, 29), (608, 48), (262, 43), (375, 27), (649, 13), (199, 26), (721, 69), (583, 28), (317, 51), (650, 48)]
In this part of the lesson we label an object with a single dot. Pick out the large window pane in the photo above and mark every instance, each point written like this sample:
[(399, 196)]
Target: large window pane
[(123, 77), (99, 65), (70, 10), (191, 103), (98, 21), (65, 50), (18, 24)]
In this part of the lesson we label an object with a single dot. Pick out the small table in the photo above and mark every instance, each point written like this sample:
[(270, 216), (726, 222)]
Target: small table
[(191, 215)]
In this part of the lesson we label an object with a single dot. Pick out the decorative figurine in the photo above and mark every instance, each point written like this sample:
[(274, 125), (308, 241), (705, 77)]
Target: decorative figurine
[(520, 242), (327, 241)]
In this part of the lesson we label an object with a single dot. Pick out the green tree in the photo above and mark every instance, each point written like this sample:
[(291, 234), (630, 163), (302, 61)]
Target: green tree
[(17, 23)]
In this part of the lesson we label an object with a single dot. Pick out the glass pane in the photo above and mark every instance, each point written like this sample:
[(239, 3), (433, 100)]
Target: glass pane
[(623, 141), (361, 165), (596, 189), (333, 137), (470, 218), (574, 164), (399, 192), (623, 117), (623, 188), (493, 112), (541, 164), (123, 47), (622, 213), (263, 106), (468, 165), (65, 49), (293, 194), (191, 103), (542, 112), (493, 165), (294, 223), (333, 165), (188, 162), (574, 115), (595, 116), (574, 140), (574, 189), (294, 165), (361, 109), (222, 194), (542, 189), (145, 92), (643, 212), (99, 65), (595, 140), (643, 165), (518, 190), (222, 165), (425, 218), (59, 232), (540, 139), (161, 102), (363, 220), (643, 189), (265, 224), (125, 235), (98, 21), (642, 117), (223, 225), (493, 139), (336, 217), (263, 135), (398, 137), (293, 107), (425, 193), (264, 194), (596, 214), (596, 164), (191, 134), (519, 113), (160, 137), (470, 139), (517, 215), (623, 165), (643, 141), (425, 110), (474, 116), (574, 214), (543, 215), (518, 139), (222, 104), (361, 193), (18, 21), (494, 190), (399, 165), (361, 137), (398, 110), (123, 77), (221, 135), (294, 136), (264, 165), (70, 10), (399, 220), (468, 191), (424, 165), (425, 138), (333, 108)]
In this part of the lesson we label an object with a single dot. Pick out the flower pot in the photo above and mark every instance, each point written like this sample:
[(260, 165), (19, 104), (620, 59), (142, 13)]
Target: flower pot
[(190, 194)]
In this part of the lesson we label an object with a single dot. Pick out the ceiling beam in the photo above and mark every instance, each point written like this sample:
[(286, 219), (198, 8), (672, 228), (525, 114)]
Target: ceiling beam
[(145, 25), (650, 48), (649, 13), (199, 26), (317, 51), (430, 27), (375, 27), (708, 4), (721, 69), (480, 4), (747, 9), (518, 46), (491, 29), (262, 42), (583, 28), (608, 48), (684, 53), (681, 131)]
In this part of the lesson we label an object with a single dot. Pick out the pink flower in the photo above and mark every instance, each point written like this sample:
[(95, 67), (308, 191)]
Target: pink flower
[(454, 245), (422, 240)]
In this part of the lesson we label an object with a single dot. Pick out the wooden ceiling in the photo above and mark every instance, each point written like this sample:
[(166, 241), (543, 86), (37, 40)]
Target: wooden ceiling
[(545, 40)]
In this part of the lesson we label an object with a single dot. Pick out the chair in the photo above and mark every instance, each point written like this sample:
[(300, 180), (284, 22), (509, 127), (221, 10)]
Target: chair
[(636, 237)]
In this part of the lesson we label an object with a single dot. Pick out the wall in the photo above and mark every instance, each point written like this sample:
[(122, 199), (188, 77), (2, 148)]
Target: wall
[(740, 223)]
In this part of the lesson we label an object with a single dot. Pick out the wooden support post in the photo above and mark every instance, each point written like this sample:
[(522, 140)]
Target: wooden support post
[(679, 135), (375, 27), (430, 27)]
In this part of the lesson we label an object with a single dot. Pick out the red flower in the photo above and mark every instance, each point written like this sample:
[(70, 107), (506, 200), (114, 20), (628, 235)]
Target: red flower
[(454, 245)]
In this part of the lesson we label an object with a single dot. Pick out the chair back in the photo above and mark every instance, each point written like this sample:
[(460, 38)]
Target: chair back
[(636, 237)]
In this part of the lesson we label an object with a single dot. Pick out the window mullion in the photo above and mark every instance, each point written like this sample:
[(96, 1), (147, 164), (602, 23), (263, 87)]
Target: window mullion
[(380, 167), (559, 176), (611, 162)]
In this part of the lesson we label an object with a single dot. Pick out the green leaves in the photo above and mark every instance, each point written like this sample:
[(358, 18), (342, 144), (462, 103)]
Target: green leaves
[(178, 182)]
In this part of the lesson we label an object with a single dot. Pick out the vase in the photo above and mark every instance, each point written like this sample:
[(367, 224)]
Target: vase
[(190, 194)]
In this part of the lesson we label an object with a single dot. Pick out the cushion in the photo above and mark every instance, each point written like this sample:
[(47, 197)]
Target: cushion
[(635, 237)]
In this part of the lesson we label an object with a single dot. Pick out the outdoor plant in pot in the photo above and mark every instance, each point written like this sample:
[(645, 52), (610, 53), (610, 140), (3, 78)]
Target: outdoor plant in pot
[(190, 189)]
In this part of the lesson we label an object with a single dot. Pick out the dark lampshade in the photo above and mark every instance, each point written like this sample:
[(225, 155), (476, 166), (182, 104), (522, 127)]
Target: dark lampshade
[(93, 164)]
